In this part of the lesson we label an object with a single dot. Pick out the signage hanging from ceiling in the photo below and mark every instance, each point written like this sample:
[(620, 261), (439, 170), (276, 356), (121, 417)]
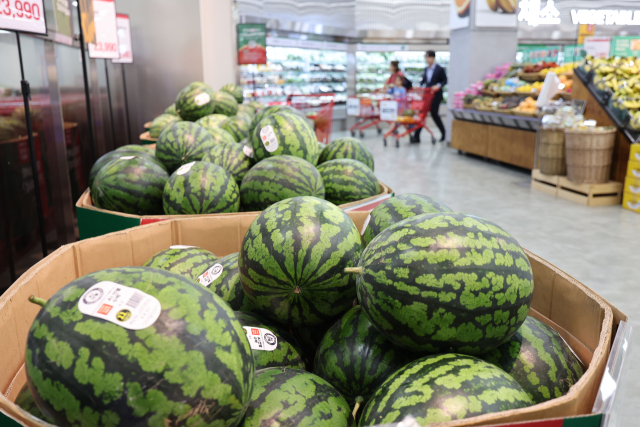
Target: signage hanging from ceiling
[(24, 16), (104, 16), (252, 43), (535, 13), (124, 39)]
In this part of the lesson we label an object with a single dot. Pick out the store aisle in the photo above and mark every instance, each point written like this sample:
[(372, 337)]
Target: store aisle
[(598, 246)]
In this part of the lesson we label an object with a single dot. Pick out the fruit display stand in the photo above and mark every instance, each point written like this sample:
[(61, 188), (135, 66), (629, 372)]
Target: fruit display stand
[(587, 322), (631, 197), (145, 138), (93, 221)]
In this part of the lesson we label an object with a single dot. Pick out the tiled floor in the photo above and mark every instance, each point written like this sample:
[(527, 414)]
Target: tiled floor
[(598, 246)]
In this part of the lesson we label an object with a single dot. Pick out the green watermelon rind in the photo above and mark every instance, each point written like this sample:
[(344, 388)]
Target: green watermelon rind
[(347, 180), (347, 148), (187, 262), (161, 122), (295, 138), (232, 157), (181, 143), (188, 107)]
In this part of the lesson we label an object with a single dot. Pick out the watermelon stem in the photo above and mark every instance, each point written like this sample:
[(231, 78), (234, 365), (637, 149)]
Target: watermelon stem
[(357, 270), (39, 301), (359, 400)]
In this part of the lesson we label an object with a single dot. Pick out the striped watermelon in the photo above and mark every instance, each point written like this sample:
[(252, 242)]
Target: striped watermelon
[(112, 155), (275, 348), (441, 388), (224, 103), (130, 185), (256, 105), (347, 180), (396, 209), (248, 110), (195, 101), (137, 147), (161, 122), (284, 133), (235, 91), (221, 136), (237, 126), (271, 110), (171, 109), (355, 358), (227, 285), (192, 366), (309, 338), (539, 359), (445, 282), (25, 401), (187, 261), (234, 158), (212, 121), (181, 143), (347, 148), (279, 178), (286, 397), (292, 261), (200, 188)]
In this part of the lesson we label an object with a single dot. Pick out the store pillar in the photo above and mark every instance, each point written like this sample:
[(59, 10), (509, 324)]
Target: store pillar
[(219, 52)]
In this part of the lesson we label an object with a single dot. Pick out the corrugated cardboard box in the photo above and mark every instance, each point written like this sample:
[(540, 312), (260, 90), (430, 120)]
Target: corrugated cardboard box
[(583, 318)]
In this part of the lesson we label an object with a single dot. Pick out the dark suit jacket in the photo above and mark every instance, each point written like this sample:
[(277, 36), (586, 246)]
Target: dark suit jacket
[(439, 77)]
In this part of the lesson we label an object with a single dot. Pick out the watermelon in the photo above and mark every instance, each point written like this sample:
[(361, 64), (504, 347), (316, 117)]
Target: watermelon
[(445, 281), (355, 358), (181, 143), (292, 261), (347, 180), (130, 185), (279, 178), (396, 209), (187, 261), (191, 366), (112, 155), (195, 101), (235, 91), (441, 388), (212, 121), (234, 158), (256, 105), (221, 136), (286, 397), (347, 148), (137, 147), (237, 126), (161, 122), (171, 109), (309, 338), (227, 284), (25, 401), (224, 103), (273, 109), (200, 188), (273, 347), (539, 360), (284, 133), (247, 109)]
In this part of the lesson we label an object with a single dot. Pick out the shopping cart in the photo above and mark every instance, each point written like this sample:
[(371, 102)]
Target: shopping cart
[(319, 109), (367, 109), (418, 100)]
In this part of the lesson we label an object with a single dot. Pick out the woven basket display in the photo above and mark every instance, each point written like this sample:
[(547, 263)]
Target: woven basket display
[(551, 152), (589, 155)]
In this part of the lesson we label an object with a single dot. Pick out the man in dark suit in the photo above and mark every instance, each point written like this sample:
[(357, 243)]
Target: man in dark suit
[(435, 77)]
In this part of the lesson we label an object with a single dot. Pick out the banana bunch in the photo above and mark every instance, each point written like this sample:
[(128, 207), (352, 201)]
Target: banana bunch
[(566, 68), (634, 123), (507, 6)]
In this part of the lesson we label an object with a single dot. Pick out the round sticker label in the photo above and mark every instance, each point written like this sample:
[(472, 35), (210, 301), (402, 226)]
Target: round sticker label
[(364, 226), (248, 151), (269, 139), (128, 307), (181, 247), (185, 168), (127, 157), (202, 99), (209, 276), (260, 338)]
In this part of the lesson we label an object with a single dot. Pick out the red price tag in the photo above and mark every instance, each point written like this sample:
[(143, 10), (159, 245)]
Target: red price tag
[(106, 46), (23, 15)]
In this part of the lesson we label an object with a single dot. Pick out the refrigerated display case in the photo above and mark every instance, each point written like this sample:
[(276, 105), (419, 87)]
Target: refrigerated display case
[(296, 71)]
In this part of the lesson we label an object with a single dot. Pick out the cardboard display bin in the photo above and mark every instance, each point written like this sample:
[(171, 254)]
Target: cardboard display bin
[(93, 221), (585, 320)]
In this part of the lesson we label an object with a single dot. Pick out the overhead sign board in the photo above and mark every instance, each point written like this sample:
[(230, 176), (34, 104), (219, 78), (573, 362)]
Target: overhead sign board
[(124, 39), (25, 16), (104, 16), (252, 43)]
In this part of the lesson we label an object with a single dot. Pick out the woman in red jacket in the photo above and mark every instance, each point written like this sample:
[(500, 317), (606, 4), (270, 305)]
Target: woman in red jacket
[(395, 72)]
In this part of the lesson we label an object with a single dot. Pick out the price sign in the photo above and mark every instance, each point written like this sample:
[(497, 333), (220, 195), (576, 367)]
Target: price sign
[(104, 16), (124, 39), (23, 15), (389, 110), (353, 106)]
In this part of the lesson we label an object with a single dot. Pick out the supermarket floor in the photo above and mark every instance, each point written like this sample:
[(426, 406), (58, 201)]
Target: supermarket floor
[(598, 246)]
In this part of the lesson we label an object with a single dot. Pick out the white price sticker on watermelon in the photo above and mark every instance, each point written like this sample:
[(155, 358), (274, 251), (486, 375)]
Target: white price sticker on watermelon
[(202, 99), (260, 338), (269, 139), (127, 307), (248, 151), (185, 168), (364, 226), (209, 276), (181, 247), (127, 157)]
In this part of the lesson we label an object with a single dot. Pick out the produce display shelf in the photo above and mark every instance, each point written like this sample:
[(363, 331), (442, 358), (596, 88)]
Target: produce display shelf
[(497, 119)]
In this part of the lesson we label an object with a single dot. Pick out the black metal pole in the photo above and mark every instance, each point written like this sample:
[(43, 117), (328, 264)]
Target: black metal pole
[(113, 127), (86, 88), (126, 104), (26, 94)]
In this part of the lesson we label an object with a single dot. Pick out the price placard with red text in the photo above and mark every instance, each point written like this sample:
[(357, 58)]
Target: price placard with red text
[(104, 16), (124, 39), (23, 15)]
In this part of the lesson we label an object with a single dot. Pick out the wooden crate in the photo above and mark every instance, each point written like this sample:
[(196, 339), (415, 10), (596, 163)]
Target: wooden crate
[(545, 183), (606, 194)]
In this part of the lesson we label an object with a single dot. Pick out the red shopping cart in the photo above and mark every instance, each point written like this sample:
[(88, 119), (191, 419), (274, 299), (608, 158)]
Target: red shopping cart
[(419, 101), (319, 109), (367, 109)]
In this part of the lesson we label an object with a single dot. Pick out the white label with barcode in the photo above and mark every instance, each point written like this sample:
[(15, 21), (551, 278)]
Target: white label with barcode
[(248, 151), (185, 168), (366, 222), (202, 99), (260, 338), (127, 307), (269, 139), (212, 273)]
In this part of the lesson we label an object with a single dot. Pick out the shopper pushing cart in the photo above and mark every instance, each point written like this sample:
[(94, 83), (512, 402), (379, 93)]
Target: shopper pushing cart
[(408, 112)]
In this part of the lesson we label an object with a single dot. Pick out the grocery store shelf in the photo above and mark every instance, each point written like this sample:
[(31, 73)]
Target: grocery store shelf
[(497, 119)]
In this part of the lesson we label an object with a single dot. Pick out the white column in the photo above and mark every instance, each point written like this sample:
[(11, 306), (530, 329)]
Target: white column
[(219, 52)]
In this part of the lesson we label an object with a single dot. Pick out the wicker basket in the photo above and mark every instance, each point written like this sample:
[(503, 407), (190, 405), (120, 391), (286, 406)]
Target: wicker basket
[(589, 155), (551, 152)]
